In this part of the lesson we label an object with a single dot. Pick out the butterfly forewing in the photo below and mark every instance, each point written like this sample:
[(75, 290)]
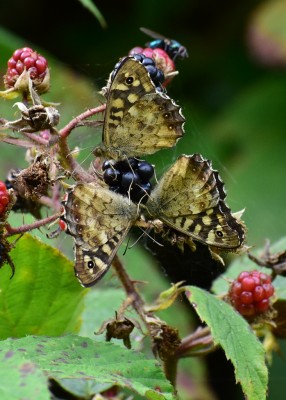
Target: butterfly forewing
[(138, 119), (98, 220), (190, 199)]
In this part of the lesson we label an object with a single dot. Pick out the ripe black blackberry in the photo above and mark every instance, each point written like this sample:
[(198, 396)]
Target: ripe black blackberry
[(155, 73), (129, 177)]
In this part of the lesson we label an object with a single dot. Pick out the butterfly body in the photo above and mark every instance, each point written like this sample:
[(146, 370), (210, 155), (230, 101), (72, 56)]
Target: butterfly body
[(99, 220), (190, 199), (139, 120)]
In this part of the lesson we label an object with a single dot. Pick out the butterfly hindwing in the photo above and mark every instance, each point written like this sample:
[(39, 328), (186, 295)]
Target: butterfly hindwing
[(139, 119), (99, 220), (190, 198)]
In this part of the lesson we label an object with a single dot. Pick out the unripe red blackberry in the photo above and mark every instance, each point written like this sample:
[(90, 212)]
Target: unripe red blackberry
[(29, 61), (250, 293), (4, 197)]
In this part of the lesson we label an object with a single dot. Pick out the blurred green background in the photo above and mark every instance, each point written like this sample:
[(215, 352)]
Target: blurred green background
[(232, 89)]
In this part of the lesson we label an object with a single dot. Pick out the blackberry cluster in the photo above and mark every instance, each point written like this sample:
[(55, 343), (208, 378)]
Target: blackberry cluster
[(156, 74), (250, 293), (130, 177)]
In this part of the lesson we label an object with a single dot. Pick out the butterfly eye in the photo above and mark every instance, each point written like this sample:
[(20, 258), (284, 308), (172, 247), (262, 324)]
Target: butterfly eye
[(129, 80), (90, 264), (219, 234)]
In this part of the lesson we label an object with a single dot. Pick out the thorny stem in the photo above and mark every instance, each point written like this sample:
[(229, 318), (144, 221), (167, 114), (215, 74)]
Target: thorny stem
[(36, 138), (78, 173), (198, 343), (17, 142), (29, 227), (130, 289), (66, 130), (170, 364)]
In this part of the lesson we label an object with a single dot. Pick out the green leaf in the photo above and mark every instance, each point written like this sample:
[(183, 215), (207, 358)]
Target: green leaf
[(75, 357), (21, 378), (95, 11), (43, 297), (83, 388), (233, 334), (279, 284)]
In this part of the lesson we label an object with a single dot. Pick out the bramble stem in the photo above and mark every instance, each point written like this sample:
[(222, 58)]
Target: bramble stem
[(130, 289), (68, 162), (10, 231), (198, 343), (66, 130), (36, 138)]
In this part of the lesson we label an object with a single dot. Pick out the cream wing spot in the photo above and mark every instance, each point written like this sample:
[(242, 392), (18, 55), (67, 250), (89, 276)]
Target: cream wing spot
[(132, 98)]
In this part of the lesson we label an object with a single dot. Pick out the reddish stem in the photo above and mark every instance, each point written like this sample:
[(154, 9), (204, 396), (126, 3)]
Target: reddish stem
[(68, 161), (36, 138), (28, 227), (65, 131)]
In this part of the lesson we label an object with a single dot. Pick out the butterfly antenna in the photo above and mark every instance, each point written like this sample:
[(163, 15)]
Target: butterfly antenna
[(127, 246), (155, 176), (140, 201), (136, 241), (145, 233)]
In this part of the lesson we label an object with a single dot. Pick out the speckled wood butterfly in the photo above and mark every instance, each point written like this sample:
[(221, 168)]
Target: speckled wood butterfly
[(99, 220), (139, 119), (190, 198)]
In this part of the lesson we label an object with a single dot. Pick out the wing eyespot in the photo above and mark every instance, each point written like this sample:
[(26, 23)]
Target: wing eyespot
[(129, 80), (90, 264), (219, 234)]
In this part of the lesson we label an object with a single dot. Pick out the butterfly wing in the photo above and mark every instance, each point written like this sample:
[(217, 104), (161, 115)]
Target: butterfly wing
[(138, 119), (98, 220), (190, 198)]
